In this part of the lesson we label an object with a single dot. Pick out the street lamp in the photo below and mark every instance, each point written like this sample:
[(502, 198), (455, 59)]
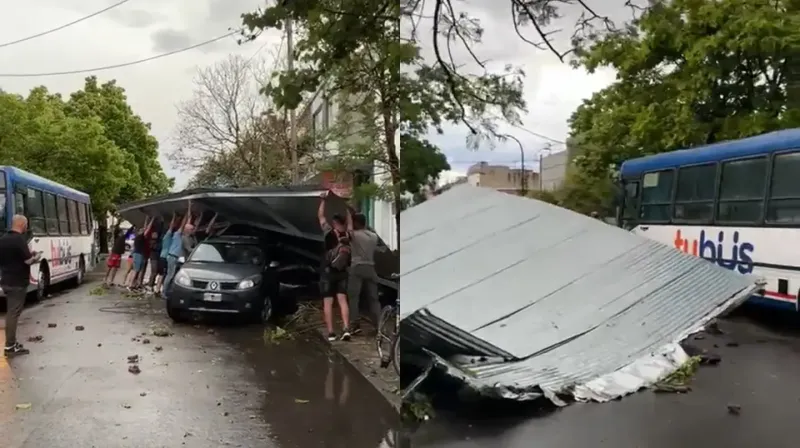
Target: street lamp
[(523, 183)]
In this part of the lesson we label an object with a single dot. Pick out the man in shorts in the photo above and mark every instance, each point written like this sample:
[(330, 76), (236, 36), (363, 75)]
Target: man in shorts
[(115, 258), (140, 249), (333, 281)]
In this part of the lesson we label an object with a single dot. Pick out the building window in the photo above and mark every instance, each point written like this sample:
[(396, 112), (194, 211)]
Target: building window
[(694, 195), (741, 190), (784, 197)]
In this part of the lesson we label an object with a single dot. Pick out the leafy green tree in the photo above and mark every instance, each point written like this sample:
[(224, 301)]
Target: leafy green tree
[(421, 166), (108, 103), (353, 49), (40, 137), (690, 72)]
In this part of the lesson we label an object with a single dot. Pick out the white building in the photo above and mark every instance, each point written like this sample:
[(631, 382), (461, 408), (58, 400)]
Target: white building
[(319, 114)]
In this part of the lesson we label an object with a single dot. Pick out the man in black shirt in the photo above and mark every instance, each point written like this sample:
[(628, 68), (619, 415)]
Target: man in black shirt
[(15, 276)]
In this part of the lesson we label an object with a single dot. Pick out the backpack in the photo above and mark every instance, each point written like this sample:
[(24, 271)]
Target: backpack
[(339, 256)]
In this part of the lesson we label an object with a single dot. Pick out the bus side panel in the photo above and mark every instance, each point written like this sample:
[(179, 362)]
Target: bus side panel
[(764, 252)]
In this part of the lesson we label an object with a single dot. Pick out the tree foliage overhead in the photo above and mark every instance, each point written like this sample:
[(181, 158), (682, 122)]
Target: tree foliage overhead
[(108, 103), (689, 72), (356, 50), (92, 143)]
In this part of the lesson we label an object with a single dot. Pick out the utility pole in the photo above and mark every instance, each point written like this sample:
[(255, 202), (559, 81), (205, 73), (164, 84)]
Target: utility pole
[(541, 167), (292, 125)]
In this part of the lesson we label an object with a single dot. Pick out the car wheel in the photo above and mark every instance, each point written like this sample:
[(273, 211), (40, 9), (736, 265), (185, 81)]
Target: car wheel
[(175, 314), (43, 281), (81, 272)]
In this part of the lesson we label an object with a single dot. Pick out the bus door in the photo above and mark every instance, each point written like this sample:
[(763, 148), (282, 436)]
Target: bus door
[(628, 215)]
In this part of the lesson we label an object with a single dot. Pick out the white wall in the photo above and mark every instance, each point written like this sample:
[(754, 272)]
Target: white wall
[(554, 170)]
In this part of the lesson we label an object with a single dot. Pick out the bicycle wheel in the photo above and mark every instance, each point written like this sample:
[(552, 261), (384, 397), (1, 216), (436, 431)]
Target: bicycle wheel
[(395, 354), (385, 336)]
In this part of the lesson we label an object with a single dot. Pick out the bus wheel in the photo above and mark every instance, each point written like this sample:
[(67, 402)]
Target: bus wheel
[(43, 281), (81, 272)]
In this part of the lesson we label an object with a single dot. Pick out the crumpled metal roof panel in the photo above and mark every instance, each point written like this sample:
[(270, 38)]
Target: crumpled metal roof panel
[(561, 297)]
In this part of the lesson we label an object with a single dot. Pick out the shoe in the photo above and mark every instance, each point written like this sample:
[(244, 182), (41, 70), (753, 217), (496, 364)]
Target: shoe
[(355, 329), (331, 337), (346, 335), (15, 350)]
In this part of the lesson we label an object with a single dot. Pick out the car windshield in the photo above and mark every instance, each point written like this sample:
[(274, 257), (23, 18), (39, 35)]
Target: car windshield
[(217, 252)]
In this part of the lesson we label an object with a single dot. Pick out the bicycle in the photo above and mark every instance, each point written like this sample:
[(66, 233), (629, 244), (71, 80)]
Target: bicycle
[(388, 337)]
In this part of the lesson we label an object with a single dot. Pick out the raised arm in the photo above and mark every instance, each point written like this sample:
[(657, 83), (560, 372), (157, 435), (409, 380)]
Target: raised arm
[(211, 223), (187, 217), (349, 219), (323, 221), (148, 224), (172, 222)]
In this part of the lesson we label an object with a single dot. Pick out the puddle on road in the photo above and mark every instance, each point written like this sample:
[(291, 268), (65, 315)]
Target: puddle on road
[(312, 397)]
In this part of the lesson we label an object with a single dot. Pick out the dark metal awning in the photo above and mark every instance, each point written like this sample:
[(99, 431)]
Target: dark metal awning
[(288, 210)]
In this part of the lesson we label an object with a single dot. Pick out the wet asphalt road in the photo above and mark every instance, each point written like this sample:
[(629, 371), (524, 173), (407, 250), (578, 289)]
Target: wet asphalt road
[(224, 387), (760, 372)]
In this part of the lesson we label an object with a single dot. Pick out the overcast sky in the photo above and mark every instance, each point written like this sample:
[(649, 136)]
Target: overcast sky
[(144, 28), (135, 30), (553, 90)]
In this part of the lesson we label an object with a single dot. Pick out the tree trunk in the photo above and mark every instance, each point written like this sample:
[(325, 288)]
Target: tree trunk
[(102, 230)]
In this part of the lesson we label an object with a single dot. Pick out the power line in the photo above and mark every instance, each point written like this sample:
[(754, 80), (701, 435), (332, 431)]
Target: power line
[(67, 25), (112, 67)]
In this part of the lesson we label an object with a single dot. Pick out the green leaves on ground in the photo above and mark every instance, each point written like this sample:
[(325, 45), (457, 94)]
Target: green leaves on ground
[(689, 72), (93, 143)]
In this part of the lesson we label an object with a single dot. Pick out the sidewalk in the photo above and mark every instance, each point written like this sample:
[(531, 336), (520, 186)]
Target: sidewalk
[(361, 353)]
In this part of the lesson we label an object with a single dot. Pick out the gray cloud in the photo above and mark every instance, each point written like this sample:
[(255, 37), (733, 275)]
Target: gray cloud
[(166, 40), (136, 18)]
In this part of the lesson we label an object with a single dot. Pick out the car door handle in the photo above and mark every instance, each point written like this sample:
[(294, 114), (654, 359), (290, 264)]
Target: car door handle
[(36, 240)]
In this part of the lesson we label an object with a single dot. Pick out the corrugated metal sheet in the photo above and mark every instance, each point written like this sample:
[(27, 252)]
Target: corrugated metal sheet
[(555, 299)]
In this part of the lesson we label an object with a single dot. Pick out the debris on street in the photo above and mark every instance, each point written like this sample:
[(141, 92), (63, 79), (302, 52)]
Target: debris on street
[(79, 328), (52, 325), (37, 338), (23, 406), (134, 369), (570, 307)]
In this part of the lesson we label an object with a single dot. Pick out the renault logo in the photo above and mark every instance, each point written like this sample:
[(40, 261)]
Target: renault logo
[(213, 285)]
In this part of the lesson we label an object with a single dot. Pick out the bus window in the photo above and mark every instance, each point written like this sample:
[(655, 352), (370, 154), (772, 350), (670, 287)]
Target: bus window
[(694, 195), (35, 206), (630, 200), (51, 213), (784, 198), (2, 180), (63, 216), (82, 218), (19, 204), (656, 195), (3, 222), (741, 190), (72, 207)]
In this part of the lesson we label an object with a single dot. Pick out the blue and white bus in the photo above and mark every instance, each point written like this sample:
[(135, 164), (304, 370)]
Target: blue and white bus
[(60, 221), (735, 203)]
